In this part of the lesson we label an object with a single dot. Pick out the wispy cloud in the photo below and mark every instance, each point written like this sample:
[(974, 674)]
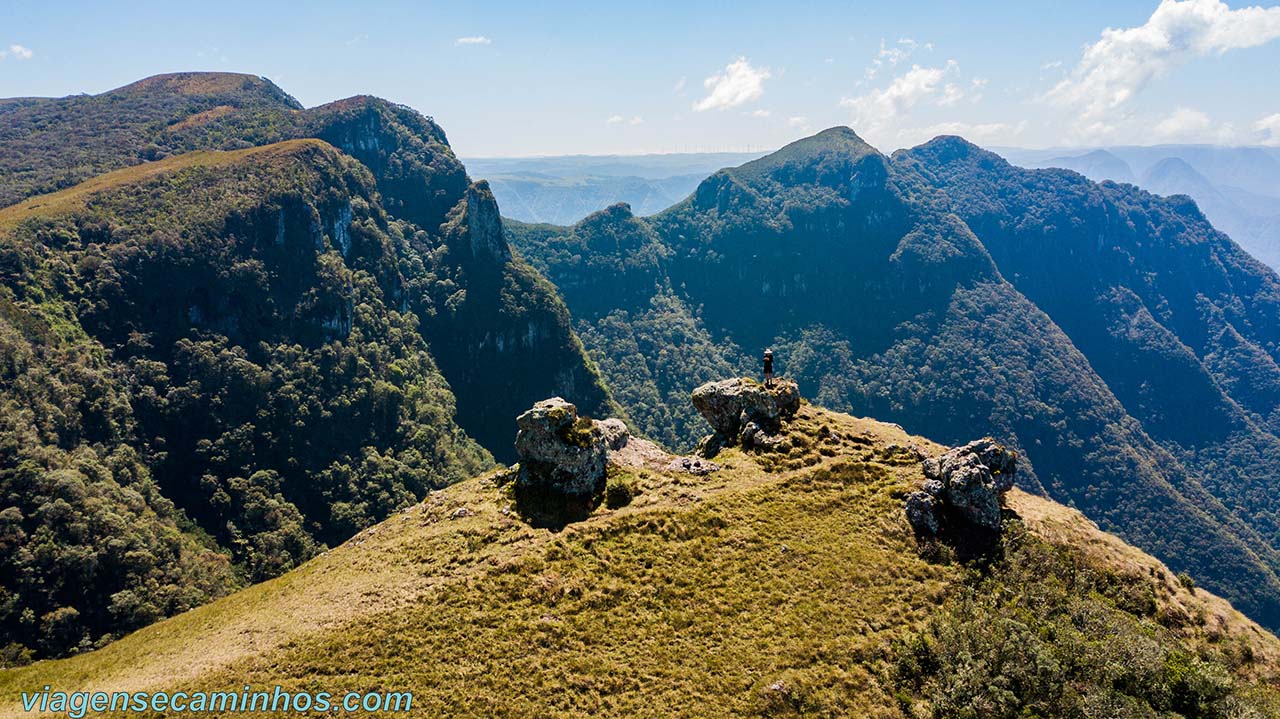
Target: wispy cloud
[(951, 94), (878, 108), (616, 120), (473, 40), (1268, 129), (678, 88), (1184, 124), (1116, 68), (738, 84), (17, 52), (760, 113), (891, 55)]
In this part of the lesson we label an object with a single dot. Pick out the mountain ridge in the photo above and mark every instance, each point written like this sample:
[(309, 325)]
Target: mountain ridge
[(877, 282), (249, 325), (800, 555)]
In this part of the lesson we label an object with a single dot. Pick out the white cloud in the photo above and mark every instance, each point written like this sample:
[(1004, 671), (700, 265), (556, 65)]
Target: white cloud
[(951, 94), (473, 40), (1184, 124), (879, 108), (17, 52), (679, 86), (738, 84), (1124, 61), (1269, 130), (798, 121), (981, 133), (760, 113), (891, 55), (637, 120), (1055, 65), (616, 120)]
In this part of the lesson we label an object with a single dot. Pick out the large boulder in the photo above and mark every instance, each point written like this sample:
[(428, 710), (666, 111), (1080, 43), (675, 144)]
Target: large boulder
[(561, 452), (740, 409), (968, 482)]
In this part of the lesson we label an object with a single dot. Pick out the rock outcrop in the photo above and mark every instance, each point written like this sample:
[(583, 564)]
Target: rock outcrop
[(484, 224), (745, 412), (561, 452), (965, 482)]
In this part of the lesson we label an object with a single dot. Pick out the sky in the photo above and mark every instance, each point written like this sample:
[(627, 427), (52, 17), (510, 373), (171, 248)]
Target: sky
[(508, 79)]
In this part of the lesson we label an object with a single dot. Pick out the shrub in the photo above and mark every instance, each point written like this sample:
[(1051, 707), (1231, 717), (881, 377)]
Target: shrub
[(619, 489)]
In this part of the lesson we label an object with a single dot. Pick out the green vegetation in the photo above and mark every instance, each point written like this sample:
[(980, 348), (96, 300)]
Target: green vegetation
[(498, 331), (620, 488), (228, 387), (743, 593), (1126, 350), (1042, 633), (214, 364), (51, 144)]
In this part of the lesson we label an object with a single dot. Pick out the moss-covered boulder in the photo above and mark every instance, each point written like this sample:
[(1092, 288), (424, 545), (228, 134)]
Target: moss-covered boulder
[(559, 451)]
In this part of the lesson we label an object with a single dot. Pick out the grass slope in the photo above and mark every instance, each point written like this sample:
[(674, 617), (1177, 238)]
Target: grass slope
[(784, 585), (75, 198)]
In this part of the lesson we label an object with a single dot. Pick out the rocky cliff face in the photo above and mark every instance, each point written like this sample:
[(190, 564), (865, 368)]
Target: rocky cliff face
[(290, 337), (484, 226)]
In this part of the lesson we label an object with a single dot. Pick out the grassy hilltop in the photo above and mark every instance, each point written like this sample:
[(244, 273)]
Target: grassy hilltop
[(786, 584)]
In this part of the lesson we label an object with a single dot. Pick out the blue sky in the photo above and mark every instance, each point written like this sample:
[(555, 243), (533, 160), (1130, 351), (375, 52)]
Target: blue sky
[(508, 79)]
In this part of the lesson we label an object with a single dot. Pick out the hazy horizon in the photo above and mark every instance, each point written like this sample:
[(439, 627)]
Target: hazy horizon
[(565, 79)]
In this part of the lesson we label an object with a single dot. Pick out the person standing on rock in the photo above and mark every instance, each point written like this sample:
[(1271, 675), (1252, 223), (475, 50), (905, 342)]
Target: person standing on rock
[(768, 368)]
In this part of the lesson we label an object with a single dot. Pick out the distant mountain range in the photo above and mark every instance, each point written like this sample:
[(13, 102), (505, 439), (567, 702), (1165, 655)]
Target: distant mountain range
[(1126, 348), (564, 189), (1237, 188), (235, 331)]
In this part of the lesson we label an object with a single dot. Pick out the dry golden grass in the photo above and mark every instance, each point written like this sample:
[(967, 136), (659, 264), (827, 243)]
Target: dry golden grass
[(201, 118), (194, 83), (74, 198), (1213, 618), (701, 598)]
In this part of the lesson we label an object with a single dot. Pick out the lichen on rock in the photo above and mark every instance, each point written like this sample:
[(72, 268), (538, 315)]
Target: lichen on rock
[(565, 460), (966, 482), (745, 412), (560, 451)]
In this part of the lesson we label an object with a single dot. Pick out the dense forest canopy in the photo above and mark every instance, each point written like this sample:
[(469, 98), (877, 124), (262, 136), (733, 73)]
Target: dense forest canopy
[(234, 331), (1125, 347), (239, 332)]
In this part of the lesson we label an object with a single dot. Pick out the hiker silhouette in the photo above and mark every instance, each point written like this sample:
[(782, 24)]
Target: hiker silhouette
[(768, 368)]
